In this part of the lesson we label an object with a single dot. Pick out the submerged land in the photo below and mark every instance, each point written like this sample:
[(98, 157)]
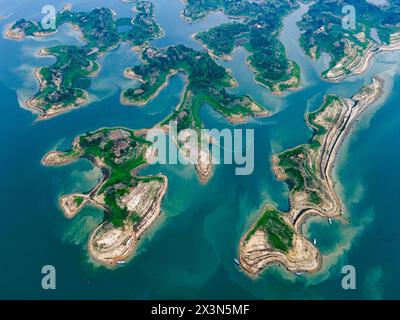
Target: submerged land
[(257, 28), (62, 86), (276, 237), (131, 203), (377, 29)]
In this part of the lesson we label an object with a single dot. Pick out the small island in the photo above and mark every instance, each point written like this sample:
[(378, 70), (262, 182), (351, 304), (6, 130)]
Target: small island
[(351, 51), (277, 237), (62, 86), (257, 29), (131, 203)]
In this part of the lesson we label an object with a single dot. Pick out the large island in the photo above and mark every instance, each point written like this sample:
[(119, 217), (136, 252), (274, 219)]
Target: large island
[(351, 50), (277, 237), (257, 28), (131, 203)]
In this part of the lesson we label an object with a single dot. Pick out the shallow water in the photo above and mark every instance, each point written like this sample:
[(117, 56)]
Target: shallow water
[(189, 253)]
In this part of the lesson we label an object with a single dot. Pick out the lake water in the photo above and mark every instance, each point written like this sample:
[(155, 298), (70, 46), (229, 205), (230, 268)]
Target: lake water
[(189, 252)]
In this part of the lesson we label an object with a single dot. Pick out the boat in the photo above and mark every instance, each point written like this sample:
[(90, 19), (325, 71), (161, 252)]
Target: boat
[(315, 242), (330, 221), (299, 273), (236, 262), (121, 262)]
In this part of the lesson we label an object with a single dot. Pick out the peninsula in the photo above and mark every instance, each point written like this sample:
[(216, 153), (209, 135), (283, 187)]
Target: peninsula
[(131, 203), (377, 29), (277, 237), (257, 28), (62, 86)]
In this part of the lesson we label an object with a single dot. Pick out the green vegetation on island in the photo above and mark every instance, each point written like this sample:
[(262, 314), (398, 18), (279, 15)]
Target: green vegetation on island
[(199, 9), (78, 201), (131, 203), (257, 31), (301, 166), (119, 152), (279, 233), (207, 82), (143, 27), (63, 84), (376, 28)]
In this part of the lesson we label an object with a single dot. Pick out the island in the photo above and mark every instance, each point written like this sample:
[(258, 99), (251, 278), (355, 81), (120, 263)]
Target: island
[(377, 29), (207, 82), (131, 203), (256, 27), (277, 237), (62, 86)]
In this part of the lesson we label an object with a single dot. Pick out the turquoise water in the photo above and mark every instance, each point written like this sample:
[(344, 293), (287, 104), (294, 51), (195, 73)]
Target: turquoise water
[(189, 253)]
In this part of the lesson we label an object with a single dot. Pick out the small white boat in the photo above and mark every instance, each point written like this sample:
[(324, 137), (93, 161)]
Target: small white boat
[(299, 273), (315, 242), (330, 221), (121, 262), (236, 262)]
